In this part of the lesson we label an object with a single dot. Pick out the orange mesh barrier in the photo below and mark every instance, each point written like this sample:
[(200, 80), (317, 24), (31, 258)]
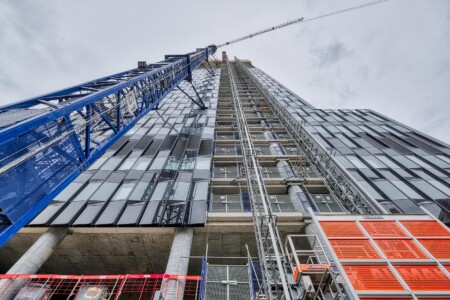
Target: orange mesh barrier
[(372, 278), (424, 278), (438, 248), (341, 229), (354, 249), (425, 228), (383, 229), (401, 249)]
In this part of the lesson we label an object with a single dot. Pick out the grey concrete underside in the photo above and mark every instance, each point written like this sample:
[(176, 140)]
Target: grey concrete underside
[(121, 250)]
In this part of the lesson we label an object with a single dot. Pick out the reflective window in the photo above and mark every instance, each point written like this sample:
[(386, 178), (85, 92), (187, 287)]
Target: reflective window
[(88, 190), (389, 190), (428, 189), (123, 191)]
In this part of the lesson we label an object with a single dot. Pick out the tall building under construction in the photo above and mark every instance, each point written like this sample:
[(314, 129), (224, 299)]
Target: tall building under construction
[(229, 186)]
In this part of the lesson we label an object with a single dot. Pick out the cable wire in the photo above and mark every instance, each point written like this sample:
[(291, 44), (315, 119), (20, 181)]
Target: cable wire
[(301, 20)]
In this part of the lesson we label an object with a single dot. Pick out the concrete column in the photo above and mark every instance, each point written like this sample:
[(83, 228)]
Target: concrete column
[(32, 260), (177, 264)]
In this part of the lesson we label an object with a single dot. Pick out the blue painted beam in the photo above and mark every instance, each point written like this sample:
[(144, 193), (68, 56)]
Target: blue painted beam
[(70, 128)]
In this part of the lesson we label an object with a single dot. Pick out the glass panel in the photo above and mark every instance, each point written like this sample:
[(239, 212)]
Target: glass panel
[(428, 189), (405, 162), (406, 189), (123, 191), (87, 192), (142, 163), (389, 190), (105, 191), (355, 161), (375, 163), (369, 189), (127, 164)]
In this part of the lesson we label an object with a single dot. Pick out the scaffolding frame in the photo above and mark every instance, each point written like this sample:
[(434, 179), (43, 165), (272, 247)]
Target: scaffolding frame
[(337, 179), (269, 245)]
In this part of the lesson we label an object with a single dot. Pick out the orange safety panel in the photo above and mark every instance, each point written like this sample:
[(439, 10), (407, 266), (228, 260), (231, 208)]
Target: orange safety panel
[(354, 249), (372, 278), (383, 229), (424, 278), (438, 248), (401, 249), (426, 228), (341, 229)]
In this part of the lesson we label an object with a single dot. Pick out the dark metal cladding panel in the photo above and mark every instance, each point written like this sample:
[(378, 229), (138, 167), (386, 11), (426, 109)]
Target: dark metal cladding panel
[(116, 177), (205, 148), (111, 213), (149, 213), (84, 177), (132, 213), (143, 143), (47, 214), (423, 146), (134, 175), (72, 211), (197, 213), (154, 147), (194, 142), (202, 174), (178, 150), (120, 142), (168, 143), (89, 214), (126, 148), (388, 141), (101, 175)]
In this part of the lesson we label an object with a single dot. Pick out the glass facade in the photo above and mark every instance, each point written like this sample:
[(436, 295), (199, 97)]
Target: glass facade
[(399, 167), (156, 174)]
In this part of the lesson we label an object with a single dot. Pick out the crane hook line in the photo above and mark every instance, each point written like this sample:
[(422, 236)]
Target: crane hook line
[(301, 20)]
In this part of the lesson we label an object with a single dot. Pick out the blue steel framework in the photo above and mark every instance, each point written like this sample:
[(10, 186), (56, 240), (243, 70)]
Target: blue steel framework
[(47, 141)]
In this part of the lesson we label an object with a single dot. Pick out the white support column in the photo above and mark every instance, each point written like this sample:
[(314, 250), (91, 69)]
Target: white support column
[(178, 264), (32, 260)]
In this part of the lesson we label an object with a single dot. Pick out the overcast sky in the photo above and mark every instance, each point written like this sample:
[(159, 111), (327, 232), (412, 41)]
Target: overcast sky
[(393, 58)]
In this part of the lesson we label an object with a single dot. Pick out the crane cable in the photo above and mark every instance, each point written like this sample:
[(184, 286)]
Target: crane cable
[(301, 20)]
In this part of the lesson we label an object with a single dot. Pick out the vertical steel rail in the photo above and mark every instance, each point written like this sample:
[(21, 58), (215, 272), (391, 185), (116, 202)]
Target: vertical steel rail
[(265, 216)]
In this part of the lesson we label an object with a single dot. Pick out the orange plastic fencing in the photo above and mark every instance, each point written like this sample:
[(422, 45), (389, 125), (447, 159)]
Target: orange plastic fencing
[(383, 229), (345, 229), (372, 278), (401, 249), (424, 278), (439, 248), (354, 249), (426, 228)]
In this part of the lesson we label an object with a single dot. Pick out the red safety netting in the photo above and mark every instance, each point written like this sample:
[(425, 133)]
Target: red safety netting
[(424, 278), (130, 286), (372, 278), (439, 248), (341, 229), (354, 249), (426, 228), (401, 249), (383, 229)]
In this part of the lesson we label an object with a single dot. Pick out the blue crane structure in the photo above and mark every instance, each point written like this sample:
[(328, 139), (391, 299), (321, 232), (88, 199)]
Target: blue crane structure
[(47, 141)]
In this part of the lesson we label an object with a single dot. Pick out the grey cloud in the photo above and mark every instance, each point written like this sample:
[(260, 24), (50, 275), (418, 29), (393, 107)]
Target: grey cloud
[(331, 54)]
